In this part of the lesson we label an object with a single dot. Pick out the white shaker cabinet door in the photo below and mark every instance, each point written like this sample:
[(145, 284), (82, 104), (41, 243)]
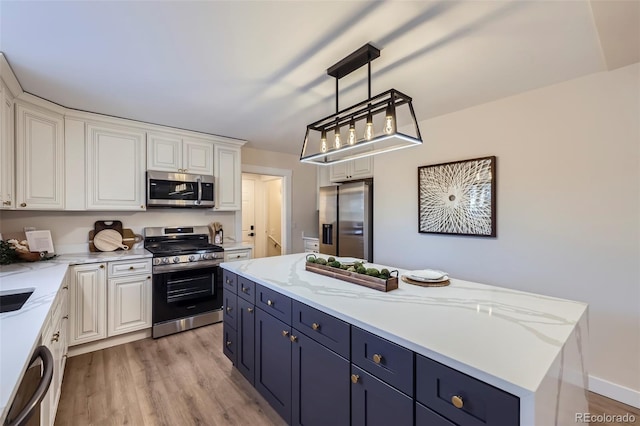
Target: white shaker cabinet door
[(39, 159), (129, 304), (197, 157), (115, 168), (7, 156), (87, 303), (228, 195), (164, 152)]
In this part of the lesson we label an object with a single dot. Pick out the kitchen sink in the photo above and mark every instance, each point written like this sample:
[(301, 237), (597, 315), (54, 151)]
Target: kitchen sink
[(14, 300)]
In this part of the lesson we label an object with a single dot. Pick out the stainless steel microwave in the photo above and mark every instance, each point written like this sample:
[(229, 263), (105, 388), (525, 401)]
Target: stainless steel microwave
[(167, 189)]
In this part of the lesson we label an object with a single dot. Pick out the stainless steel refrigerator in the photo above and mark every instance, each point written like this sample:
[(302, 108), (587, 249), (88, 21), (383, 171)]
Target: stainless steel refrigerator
[(346, 220)]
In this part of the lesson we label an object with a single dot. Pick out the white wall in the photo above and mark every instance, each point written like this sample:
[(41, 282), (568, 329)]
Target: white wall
[(568, 213), (70, 230)]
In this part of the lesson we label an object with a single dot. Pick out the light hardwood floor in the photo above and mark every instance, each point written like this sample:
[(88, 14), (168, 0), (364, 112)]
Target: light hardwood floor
[(183, 379)]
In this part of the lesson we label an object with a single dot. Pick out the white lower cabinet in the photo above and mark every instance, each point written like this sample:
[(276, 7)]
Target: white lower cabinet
[(55, 338), (109, 299), (88, 298), (234, 255), (129, 304)]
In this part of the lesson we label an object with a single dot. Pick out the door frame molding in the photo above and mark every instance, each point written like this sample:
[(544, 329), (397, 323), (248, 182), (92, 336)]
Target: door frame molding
[(285, 174)]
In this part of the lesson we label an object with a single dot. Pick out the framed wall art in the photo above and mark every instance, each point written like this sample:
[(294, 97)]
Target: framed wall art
[(458, 198)]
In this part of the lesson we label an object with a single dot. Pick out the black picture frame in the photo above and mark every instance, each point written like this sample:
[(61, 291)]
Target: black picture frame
[(458, 198)]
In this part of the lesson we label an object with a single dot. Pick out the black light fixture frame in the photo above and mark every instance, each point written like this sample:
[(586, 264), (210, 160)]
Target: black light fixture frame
[(370, 106)]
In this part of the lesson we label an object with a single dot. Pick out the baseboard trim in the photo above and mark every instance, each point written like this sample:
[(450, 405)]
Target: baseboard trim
[(107, 343), (614, 391)]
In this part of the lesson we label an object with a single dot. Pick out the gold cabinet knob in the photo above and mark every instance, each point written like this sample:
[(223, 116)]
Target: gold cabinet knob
[(457, 401), (23, 204), (293, 338), (285, 333), (250, 310), (131, 268), (269, 302), (315, 326), (148, 277), (377, 358), (228, 342), (101, 266), (141, 206), (355, 378)]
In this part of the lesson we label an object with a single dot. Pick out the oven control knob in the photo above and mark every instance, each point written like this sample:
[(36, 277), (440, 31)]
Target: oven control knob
[(176, 259), (207, 256), (165, 260), (192, 258)]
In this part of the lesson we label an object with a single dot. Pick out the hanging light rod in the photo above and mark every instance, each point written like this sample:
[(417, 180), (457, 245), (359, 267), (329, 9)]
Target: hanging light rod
[(376, 119)]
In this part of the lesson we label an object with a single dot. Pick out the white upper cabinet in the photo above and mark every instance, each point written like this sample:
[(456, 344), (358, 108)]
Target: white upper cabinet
[(175, 153), (349, 170), (228, 177), (39, 158), (115, 167), (7, 156)]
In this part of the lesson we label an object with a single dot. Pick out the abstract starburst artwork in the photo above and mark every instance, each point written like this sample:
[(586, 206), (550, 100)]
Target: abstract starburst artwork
[(458, 197)]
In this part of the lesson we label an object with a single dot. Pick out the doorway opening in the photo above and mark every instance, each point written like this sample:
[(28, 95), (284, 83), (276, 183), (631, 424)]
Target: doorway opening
[(263, 213)]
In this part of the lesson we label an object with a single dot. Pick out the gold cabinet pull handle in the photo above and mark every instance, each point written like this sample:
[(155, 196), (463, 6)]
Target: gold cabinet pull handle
[(457, 401), (229, 308), (55, 337), (269, 302), (377, 358), (250, 310), (6, 203), (66, 287), (285, 333), (293, 338), (228, 342), (228, 281), (65, 317), (315, 326), (355, 378), (245, 289)]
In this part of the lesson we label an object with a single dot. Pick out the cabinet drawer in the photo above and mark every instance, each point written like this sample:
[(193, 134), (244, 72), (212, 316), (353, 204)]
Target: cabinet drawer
[(247, 289), (230, 302), (231, 256), (274, 303), (311, 246), (229, 281), (383, 359), (129, 267), (323, 328), (438, 386)]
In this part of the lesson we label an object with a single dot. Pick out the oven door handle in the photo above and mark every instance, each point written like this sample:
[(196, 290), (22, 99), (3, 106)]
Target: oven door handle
[(199, 201), (43, 353)]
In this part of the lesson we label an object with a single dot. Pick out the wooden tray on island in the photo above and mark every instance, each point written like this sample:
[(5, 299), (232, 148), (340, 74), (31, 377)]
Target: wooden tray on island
[(354, 277)]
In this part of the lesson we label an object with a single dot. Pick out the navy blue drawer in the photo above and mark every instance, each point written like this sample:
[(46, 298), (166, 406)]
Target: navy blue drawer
[(426, 417), (274, 303), (247, 289), (229, 281), (385, 360), (440, 387), (323, 328), (230, 307), (230, 344)]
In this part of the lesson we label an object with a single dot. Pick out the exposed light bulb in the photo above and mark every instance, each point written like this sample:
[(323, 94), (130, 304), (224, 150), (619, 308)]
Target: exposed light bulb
[(368, 130), (352, 133), (323, 141), (390, 120), (338, 142)]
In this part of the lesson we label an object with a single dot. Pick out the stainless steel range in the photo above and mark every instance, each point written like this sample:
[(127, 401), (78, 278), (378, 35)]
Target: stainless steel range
[(187, 279)]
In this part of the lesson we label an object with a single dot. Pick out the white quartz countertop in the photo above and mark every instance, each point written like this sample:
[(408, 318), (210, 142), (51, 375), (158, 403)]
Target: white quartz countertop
[(20, 330), (504, 337)]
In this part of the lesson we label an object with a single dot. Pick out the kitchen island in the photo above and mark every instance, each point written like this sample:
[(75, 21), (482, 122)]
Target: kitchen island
[(528, 345)]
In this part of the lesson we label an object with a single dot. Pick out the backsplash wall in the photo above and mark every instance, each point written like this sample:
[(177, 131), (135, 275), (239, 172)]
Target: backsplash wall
[(70, 230)]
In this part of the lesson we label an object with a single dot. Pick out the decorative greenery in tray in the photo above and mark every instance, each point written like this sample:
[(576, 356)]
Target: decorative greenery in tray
[(356, 273), (8, 254), (13, 251)]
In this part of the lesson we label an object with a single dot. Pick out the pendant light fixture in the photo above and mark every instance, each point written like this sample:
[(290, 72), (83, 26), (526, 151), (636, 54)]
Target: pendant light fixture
[(382, 123)]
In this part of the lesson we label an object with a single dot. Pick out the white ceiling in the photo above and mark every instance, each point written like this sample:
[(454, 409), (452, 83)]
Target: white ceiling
[(257, 70)]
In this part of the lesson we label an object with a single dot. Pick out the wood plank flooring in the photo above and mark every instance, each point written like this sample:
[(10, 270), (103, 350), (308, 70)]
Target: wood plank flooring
[(183, 379)]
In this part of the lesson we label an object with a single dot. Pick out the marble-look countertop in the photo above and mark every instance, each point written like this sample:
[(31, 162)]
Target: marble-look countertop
[(504, 337)]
